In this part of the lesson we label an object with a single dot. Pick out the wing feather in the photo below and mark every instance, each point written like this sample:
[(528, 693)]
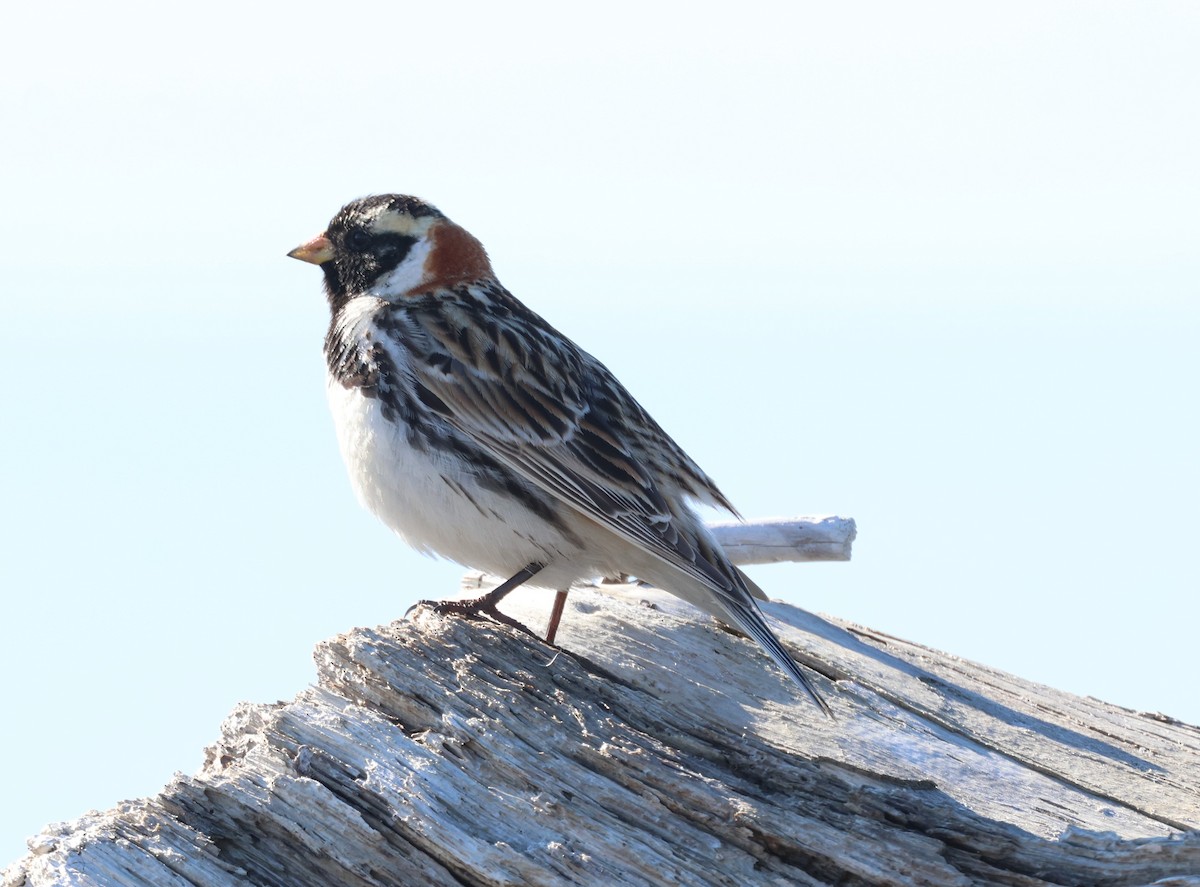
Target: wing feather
[(560, 419), (531, 399)]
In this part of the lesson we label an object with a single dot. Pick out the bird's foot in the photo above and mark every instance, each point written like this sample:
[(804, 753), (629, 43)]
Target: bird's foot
[(485, 605), (476, 608)]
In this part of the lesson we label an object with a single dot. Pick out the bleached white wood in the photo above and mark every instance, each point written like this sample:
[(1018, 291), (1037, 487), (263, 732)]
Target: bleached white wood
[(786, 539), (653, 748)]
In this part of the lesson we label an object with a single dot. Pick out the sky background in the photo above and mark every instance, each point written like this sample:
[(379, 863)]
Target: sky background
[(933, 266)]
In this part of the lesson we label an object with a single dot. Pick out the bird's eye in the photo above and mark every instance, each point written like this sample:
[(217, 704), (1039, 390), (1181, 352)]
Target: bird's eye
[(358, 240)]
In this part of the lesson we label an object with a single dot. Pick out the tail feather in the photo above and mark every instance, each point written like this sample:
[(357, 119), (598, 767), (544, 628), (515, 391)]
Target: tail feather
[(751, 585), (750, 620), (731, 600)]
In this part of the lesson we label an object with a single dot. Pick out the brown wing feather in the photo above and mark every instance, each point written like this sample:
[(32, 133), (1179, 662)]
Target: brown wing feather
[(561, 419)]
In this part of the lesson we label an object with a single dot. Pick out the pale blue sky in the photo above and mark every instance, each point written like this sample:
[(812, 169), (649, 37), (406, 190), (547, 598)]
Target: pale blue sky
[(932, 266)]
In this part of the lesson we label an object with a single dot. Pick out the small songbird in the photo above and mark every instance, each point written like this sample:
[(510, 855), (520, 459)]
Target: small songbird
[(478, 432)]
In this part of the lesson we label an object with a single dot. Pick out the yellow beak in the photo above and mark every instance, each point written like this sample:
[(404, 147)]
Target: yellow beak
[(318, 251)]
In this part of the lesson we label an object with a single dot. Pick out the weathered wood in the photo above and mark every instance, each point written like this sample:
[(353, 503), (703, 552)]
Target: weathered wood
[(786, 539), (654, 748)]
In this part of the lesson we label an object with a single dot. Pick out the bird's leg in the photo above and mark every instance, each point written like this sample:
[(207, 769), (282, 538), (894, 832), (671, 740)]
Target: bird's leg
[(560, 601), (486, 603)]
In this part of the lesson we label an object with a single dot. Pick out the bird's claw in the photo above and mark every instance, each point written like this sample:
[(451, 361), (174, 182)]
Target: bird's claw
[(473, 608)]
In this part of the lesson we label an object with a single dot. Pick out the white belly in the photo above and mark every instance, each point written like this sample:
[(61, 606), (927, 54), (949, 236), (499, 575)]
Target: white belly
[(406, 488), (413, 492)]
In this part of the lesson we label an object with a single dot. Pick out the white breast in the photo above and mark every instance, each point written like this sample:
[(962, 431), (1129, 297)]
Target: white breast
[(430, 498)]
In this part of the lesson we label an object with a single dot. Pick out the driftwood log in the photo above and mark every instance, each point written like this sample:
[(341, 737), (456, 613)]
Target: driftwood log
[(653, 747), (787, 539)]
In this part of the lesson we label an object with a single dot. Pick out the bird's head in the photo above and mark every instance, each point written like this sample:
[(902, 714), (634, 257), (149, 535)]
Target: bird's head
[(394, 247)]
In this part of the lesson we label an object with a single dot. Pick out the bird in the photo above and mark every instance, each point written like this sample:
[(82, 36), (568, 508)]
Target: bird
[(478, 432)]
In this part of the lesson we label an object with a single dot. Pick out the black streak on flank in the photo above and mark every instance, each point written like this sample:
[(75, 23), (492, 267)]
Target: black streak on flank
[(426, 420), (347, 364), (462, 491)]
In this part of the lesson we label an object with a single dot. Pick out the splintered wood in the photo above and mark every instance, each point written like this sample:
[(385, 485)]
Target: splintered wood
[(654, 748)]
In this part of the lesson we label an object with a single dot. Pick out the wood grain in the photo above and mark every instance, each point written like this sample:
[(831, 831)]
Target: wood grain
[(654, 748)]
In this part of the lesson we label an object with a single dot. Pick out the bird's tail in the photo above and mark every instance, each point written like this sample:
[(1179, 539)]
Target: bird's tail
[(735, 605), (751, 585), (749, 619)]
